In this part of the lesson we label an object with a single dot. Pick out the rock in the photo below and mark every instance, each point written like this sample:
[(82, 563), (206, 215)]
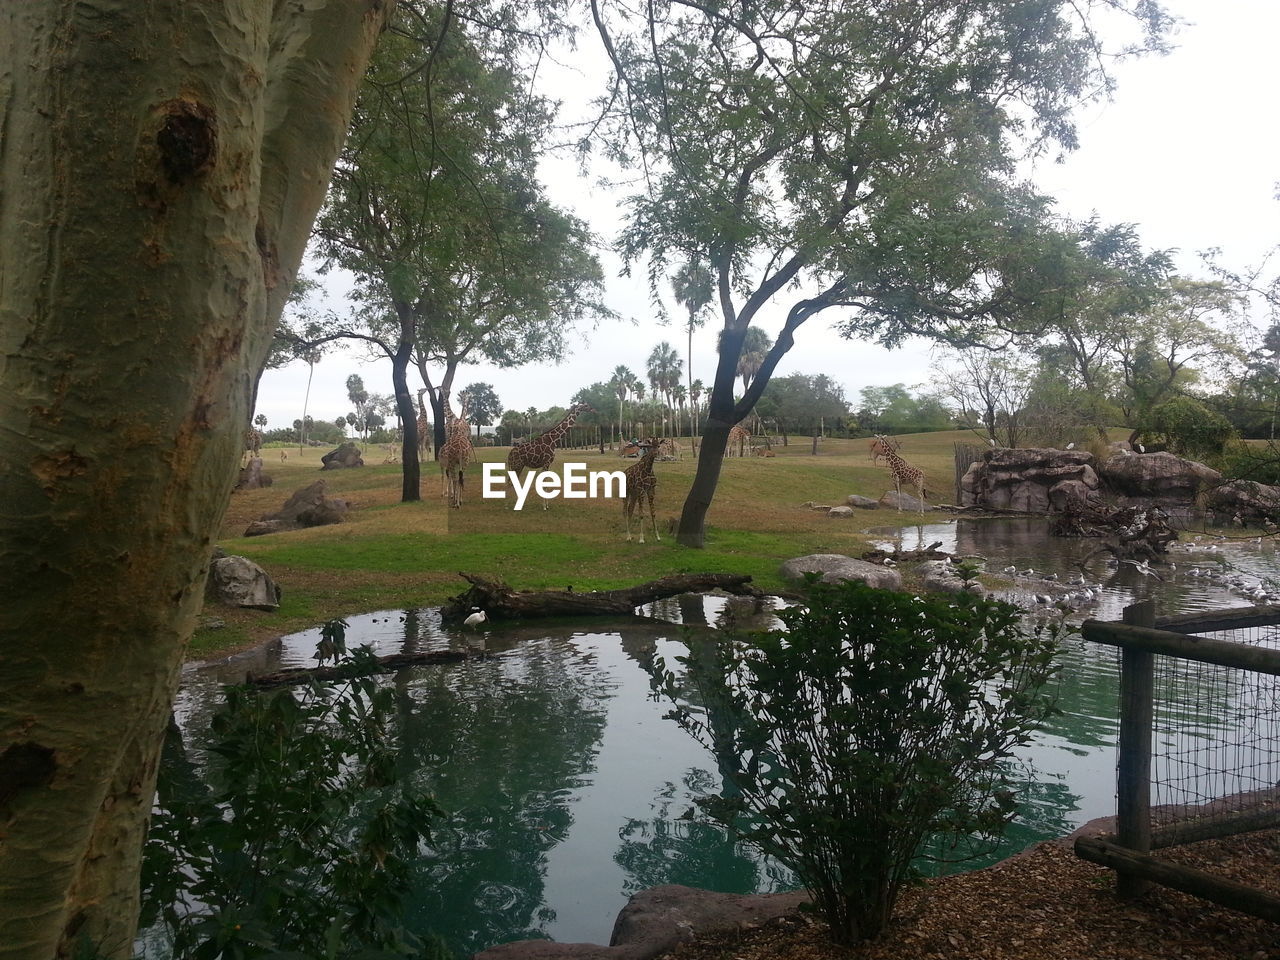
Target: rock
[(1254, 502), (902, 501), (861, 503), (835, 567), (346, 455), (239, 582), (938, 576), (824, 507), (655, 921), (252, 476), (308, 507), (217, 554), (840, 512), (1158, 476), (260, 527), (1021, 479), (1071, 495)]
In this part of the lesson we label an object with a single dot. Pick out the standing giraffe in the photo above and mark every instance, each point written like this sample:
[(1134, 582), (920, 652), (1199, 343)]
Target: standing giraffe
[(457, 440), (901, 471), (641, 486), (538, 453), (737, 434), (424, 425)]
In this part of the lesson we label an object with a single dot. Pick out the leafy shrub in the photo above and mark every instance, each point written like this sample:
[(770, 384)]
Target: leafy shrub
[(296, 841), (875, 722), (1257, 462), (1188, 428)]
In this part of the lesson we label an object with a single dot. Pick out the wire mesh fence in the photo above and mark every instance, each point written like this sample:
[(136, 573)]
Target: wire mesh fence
[(1199, 750)]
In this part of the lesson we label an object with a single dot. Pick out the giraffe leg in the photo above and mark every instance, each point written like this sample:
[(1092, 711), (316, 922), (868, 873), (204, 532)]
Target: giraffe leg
[(653, 519), (897, 488), (626, 512)]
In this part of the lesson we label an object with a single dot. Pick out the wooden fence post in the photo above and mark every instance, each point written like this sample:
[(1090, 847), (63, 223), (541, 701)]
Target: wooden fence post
[(1133, 777)]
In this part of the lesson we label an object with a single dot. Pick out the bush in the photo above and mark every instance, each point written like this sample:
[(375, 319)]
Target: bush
[(1257, 462), (877, 721), (1190, 429), (296, 840)]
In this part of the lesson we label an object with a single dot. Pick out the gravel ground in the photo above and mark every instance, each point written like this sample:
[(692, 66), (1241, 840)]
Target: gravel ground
[(1046, 904)]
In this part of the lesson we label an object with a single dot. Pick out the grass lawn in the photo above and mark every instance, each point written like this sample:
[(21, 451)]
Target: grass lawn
[(390, 554)]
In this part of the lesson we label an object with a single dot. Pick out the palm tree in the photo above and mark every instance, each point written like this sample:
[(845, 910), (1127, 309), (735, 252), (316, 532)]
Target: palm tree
[(664, 373), (693, 286), (678, 397), (312, 357), (621, 381), (696, 390)]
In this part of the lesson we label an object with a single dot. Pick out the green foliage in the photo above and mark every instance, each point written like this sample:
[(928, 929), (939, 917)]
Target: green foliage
[(800, 402), (296, 839), (1188, 428), (1259, 463), (876, 721)]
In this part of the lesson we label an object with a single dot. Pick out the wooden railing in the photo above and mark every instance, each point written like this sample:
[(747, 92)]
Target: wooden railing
[(1141, 637)]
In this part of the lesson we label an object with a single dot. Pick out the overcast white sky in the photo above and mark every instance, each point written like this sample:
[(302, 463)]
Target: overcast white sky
[(1188, 149)]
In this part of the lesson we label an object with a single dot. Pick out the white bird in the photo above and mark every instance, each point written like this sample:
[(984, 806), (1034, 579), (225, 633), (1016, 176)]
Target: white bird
[(1071, 445), (888, 562), (1143, 568), (991, 442), (475, 619), (1010, 569), (1141, 448)]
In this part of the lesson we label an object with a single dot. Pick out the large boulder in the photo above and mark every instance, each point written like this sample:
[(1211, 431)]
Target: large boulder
[(836, 566), (1252, 502), (252, 476), (308, 507), (939, 576), (656, 921), (239, 582), (1021, 479), (1161, 477), (346, 455), (861, 503), (894, 500), (840, 512)]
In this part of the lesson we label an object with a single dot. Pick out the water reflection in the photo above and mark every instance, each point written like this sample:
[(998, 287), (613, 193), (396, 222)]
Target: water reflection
[(569, 791)]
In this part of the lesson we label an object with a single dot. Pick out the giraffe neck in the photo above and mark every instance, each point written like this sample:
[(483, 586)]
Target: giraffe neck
[(553, 435)]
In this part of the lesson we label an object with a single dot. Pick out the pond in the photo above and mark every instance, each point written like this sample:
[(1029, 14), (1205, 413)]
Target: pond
[(569, 791)]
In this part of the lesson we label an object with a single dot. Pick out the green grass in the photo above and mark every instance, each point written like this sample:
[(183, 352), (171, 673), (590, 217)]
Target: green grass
[(390, 555)]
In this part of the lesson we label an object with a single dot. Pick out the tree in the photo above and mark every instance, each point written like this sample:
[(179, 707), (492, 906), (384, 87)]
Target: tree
[(693, 286), (359, 398), (859, 155), (621, 380), (437, 210), (802, 400), (182, 158), (991, 392), (483, 405), (261, 421), (664, 373), (310, 356)]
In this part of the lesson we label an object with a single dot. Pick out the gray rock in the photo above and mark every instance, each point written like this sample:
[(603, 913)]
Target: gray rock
[(346, 455), (861, 503), (823, 507), (938, 576), (657, 920), (308, 507), (239, 582), (1071, 494), (903, 501), (252, 476), (1158, 476), (258, 528), (835, 567), (1252, 501), (840, 512)]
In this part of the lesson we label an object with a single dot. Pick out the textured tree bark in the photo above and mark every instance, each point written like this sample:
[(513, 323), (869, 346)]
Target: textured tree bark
[(160, 166)]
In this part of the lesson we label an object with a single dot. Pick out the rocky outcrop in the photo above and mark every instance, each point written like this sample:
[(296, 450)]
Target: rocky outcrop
[(1028, 480), (657, 920), (1158, 477), (840, 512), (308, 507), (252, 476), (346, 455), (861, 503), (836, 566), (239, 582), (1252, 502)]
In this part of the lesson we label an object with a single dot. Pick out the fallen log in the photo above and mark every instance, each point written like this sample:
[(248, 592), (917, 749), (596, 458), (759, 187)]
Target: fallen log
[(346, 671), (500, 602)]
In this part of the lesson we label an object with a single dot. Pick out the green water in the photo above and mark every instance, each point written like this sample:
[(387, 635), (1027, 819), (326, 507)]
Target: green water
[(569, 791)]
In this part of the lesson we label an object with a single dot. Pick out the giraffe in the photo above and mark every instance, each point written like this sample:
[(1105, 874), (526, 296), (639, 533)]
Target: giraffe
[(737, 435), (424, 425), (538, 453), (881, 443), (901, 471), (456, 452), (641, 486)]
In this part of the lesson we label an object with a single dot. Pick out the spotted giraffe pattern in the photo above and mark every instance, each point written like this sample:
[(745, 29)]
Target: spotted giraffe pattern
[(901, 471), (538, 453), (456, 453), (642, 485), (739, 439), (424, 426)]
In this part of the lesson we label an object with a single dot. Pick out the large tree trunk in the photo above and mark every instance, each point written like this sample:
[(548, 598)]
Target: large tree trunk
[(160, 167), (410, 471), (715, 438)]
